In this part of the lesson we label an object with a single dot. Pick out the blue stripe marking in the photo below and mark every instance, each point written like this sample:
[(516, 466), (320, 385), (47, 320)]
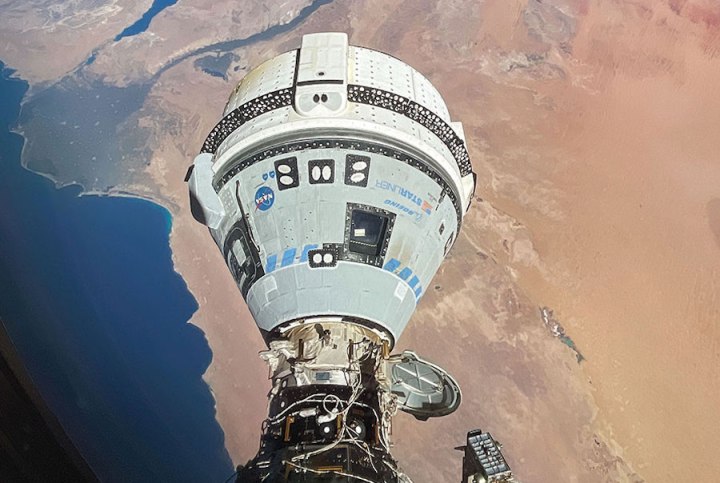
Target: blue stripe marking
[(405, 273), (392, 265), (288, 257), (271, 262), (306, 249)]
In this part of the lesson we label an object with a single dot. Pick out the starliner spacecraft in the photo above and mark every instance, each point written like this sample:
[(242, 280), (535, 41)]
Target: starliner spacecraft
[(334, 185)]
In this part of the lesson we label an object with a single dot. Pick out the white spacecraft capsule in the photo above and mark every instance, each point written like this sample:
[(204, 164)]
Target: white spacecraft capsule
[(334, 186)]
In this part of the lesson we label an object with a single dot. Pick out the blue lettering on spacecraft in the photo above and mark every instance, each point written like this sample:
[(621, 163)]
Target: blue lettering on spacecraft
[(406, 274), (404, 209), (424, 206)]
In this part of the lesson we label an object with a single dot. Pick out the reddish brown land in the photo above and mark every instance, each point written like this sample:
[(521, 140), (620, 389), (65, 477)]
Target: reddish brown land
[(592, 126)]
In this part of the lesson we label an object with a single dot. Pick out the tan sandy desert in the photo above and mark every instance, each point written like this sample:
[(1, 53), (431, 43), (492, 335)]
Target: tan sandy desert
[(594, 128)]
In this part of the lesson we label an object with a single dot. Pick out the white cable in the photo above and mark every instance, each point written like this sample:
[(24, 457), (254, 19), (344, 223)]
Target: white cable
[(307, 399), (324, 472)]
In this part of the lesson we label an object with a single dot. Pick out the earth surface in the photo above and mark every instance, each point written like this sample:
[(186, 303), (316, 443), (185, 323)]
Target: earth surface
[(579, 309)]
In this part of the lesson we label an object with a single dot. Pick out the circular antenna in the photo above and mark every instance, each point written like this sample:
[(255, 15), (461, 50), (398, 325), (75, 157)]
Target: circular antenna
[(423, 389)]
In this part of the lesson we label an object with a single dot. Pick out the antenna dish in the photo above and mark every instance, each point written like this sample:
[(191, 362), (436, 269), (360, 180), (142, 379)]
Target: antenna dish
[(423, 389)]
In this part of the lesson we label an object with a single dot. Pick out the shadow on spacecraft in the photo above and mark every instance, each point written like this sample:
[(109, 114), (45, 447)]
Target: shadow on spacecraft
[(335, 185)]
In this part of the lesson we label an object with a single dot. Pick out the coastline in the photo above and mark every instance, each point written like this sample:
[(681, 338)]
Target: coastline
[(116, 192), (166, 204), (234, 380), (536, 241), (540, 375), (225, 310), (79, 400)]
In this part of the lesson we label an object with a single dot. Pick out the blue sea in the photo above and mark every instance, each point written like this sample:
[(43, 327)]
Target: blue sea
[(89, 296), (144, 22)]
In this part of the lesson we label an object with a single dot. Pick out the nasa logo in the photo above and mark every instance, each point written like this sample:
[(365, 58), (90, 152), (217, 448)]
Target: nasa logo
[(264, 198)]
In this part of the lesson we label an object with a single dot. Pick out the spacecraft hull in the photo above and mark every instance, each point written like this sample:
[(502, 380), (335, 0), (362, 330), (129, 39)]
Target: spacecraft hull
[(335, 185)]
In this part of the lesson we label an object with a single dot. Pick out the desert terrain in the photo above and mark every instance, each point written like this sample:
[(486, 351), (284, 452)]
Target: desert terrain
[(592, 128)]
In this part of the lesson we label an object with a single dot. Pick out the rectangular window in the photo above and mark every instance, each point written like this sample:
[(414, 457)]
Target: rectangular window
[(367, 232)]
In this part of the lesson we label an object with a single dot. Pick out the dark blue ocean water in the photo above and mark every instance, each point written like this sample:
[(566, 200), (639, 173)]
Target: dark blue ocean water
[(89, 297), (144, 22)]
